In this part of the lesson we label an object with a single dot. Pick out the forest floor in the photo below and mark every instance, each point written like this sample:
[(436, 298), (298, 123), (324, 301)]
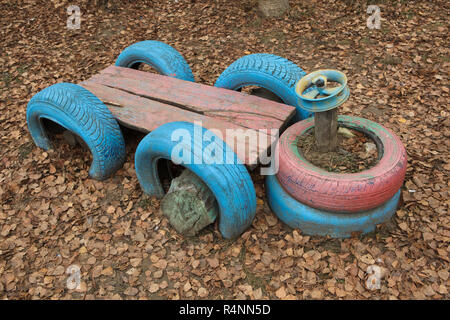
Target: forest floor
[(52, 215)]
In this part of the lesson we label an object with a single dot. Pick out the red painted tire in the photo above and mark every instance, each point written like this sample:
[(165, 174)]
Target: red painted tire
[(342, 192)]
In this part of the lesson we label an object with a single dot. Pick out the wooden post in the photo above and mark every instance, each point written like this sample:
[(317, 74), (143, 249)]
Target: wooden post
[(189, 204), (325, 130)]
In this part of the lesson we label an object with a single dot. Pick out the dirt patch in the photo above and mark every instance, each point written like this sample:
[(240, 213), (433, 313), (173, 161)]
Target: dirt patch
[(356, 152)]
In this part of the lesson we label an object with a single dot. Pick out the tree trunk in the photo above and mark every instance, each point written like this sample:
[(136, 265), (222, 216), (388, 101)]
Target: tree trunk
[(273, 8)]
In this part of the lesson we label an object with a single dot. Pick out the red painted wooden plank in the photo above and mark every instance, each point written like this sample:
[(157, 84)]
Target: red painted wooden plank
[(146, 115), (236, 116), (195, 96), (243, 119)]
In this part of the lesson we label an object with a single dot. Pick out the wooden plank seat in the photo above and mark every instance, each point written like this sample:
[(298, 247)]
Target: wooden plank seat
[(143, 101)]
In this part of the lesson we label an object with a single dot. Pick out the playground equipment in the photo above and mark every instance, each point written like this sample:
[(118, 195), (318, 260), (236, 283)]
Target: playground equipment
[(178, 114)]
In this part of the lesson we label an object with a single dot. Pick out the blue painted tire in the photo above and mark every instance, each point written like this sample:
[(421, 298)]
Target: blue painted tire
[(230, 182), (268, 71), (82, 113), (318, 222), (159, 55)]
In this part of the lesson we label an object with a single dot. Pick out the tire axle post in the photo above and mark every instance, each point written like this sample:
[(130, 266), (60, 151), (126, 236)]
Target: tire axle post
[(325, 130)]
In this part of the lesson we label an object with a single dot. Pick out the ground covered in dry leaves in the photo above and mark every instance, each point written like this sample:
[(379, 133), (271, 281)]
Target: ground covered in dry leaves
[(53, 216)]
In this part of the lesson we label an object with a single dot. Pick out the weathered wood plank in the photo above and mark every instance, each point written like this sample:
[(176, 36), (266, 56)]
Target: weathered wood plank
[(144, 101), (145, 115), (197, 97), (325, 130), (232, 115)]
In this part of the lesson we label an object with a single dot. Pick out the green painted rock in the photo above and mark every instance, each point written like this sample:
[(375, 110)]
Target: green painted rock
[(189, 204)]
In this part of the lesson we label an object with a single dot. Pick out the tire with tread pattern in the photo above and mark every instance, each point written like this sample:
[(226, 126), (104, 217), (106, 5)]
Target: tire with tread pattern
[(268, 71), (342, 192), (159, 55), (79, 111), (324, 223), (230, 182)]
